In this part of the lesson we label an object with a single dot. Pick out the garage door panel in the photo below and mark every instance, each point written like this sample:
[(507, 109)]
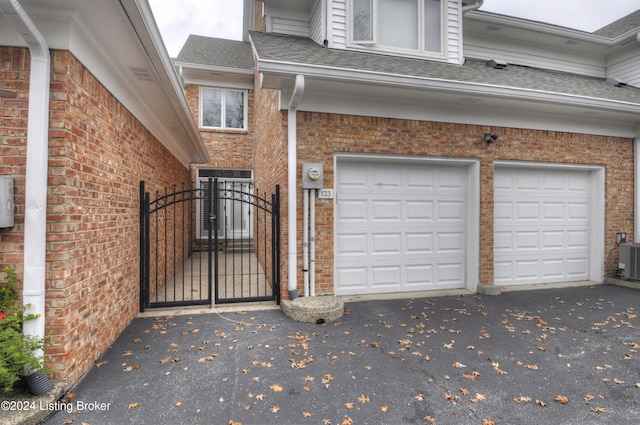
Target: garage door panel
[(354, 279), (553, 211), (503, 211), (578, 267), (419, 211), (546, 239), (451, 274), (450, 211), (385, 276), (386, 211), (353, 210), (386, 244), (450, 242), (529, 211), (351, 244), (417, 276), (413, 222), (419, 243), (578, 211)]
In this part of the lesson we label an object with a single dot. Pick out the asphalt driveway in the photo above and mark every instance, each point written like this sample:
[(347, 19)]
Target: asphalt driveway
[(553, 356)]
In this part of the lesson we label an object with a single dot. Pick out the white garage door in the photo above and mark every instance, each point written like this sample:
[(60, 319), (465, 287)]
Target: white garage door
[(400, 226), (541, 226)]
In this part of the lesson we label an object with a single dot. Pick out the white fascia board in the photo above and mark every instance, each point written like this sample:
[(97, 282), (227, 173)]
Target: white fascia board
[(541, 27), (212, 68), (285, 69)]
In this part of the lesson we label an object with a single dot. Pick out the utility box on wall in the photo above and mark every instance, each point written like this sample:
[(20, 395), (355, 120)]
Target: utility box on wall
[(312, 175), (6, 202)]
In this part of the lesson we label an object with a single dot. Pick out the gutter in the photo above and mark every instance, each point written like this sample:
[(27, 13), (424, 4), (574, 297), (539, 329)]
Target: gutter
[(321, 72), (473, 6), (35, 216), (292, 147)]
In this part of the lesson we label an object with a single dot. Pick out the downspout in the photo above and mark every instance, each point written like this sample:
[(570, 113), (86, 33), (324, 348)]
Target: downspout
[(35, 215), (473, 6), (292, 146)]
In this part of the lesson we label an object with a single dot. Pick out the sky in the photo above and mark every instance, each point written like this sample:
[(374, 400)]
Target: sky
[(177, 19)]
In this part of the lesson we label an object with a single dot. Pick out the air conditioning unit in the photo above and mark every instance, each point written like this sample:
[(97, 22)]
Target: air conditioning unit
[(629, 261)]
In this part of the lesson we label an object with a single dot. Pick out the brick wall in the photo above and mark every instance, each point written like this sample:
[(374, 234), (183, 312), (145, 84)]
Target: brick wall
[(98, 153), (320, 136), (226, 148), (270, 167)]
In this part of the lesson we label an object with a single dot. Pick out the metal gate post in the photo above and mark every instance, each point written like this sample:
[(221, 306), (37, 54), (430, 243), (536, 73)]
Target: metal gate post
[(144, 247), (211, 235)]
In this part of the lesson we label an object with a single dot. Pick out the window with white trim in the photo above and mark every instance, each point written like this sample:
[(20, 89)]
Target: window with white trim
[(223, 109), (403, 25)]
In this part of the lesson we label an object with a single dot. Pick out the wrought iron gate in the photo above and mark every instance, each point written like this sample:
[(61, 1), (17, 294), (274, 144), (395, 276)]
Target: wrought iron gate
[(217, 243)]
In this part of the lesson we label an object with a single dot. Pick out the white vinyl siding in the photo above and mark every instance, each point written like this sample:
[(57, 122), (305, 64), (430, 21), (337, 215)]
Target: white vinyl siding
[(318, 26), (625, 68), (290, 27), (450, 33)]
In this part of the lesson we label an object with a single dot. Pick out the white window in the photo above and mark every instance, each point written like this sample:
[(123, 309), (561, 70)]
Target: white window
[(404, 25), (223, 109)]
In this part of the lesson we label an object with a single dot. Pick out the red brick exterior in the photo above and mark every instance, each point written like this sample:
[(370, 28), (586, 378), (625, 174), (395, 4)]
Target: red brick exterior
[(320, 136), (98, 153)]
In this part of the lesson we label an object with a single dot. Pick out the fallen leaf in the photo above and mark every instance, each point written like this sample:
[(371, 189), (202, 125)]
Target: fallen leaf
[(274, 409), (234, 423), (348, 405), (384, 408), (598, 409), (363, 399), (541, 403), (178, 403), (430, 419), (464, 391), (133, 405), (488, 421), (561, 399), (347, 421), (306, 414)]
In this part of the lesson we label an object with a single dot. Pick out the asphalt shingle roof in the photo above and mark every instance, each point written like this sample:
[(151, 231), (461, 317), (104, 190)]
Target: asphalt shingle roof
[(217, 52), (301, 51), (621, 26)]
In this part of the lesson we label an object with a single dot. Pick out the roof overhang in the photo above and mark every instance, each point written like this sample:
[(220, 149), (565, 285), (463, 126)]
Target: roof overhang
[(200, 74), (358, 92), (120, 44)]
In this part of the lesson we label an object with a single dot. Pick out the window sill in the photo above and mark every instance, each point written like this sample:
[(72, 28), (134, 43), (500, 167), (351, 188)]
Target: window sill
[(223, 130)]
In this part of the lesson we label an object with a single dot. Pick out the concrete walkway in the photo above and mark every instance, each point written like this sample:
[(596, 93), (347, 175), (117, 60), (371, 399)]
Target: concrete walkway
[(552, 356)]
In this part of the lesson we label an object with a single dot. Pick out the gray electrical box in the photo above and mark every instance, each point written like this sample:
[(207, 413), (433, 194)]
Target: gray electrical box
[(312, 175), (6, 201)]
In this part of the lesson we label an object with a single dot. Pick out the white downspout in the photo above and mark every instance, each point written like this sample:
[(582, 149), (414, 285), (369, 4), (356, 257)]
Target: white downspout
[(35, 216), (474, 6), (292, 146)]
